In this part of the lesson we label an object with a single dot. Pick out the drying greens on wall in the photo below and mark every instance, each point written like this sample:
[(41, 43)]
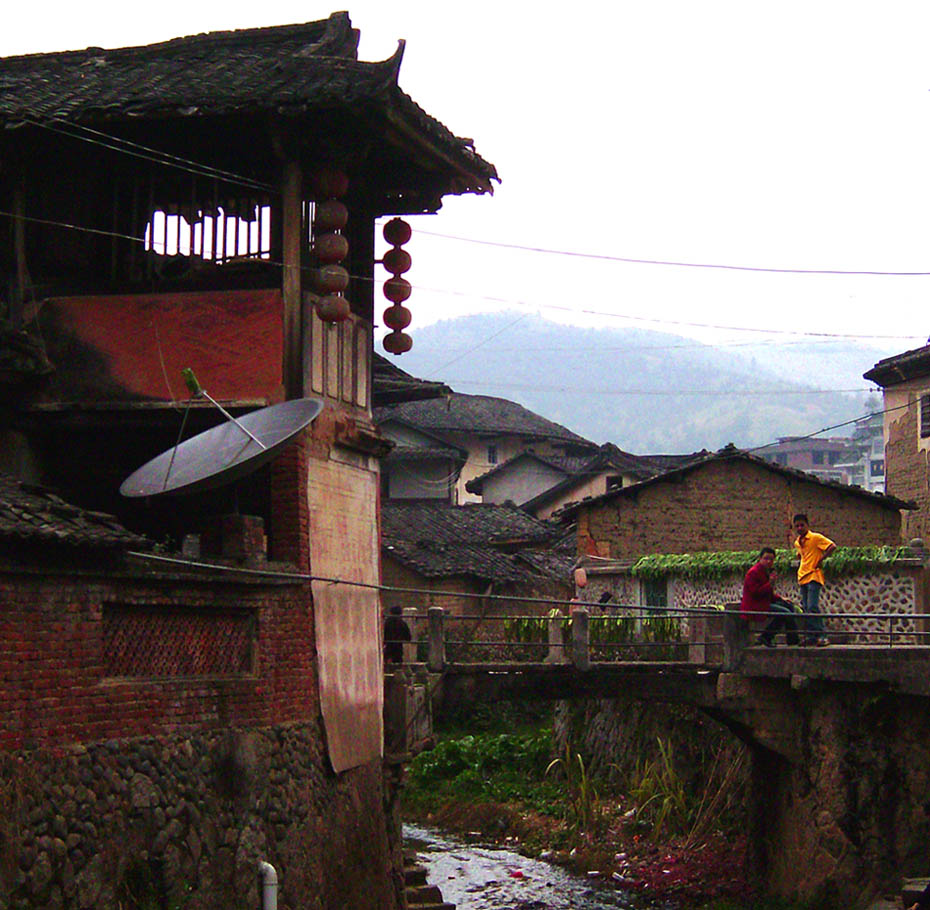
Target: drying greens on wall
[(713, 566)]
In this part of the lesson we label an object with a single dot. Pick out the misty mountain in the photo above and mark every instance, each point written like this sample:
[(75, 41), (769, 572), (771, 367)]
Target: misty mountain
[(647, 391)]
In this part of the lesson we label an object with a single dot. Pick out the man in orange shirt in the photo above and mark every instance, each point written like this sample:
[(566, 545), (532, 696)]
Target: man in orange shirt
[(813, 548)]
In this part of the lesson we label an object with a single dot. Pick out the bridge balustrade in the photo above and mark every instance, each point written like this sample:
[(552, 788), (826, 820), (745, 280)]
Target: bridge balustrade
[(584, 634)]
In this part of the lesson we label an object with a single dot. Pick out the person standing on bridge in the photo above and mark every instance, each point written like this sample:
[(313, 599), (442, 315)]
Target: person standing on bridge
[(759, 600), (813, 548)]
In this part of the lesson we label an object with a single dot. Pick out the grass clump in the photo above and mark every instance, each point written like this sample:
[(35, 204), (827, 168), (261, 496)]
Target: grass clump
[(503, 767)]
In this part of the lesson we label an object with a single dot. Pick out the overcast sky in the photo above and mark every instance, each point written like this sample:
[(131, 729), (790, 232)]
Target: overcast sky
[(788, 135)]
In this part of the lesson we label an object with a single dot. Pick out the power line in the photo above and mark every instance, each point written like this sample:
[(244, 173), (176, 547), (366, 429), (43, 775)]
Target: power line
[(660, 392), (655, 320), (146, 153), (670, 262), (128, 147)]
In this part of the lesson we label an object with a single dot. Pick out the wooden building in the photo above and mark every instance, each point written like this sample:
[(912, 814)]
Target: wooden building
[(211, 203)]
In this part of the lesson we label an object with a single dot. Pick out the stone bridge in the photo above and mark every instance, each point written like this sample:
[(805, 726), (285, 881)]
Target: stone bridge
[(838, 738)]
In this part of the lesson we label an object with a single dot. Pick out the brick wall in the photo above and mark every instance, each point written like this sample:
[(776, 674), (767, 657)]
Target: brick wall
[(54, 634), (729, 505)]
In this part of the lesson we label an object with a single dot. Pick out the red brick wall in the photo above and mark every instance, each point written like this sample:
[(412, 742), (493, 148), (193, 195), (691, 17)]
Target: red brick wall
[(53, 684), (729, 505)]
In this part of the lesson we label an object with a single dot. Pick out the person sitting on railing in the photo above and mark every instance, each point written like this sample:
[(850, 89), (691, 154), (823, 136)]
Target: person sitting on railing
[(396, 632), (759, 600)]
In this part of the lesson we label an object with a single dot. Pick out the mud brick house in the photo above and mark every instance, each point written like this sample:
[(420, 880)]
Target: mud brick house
[(490, 430), (730, 500), (905, 382), (206, 203)]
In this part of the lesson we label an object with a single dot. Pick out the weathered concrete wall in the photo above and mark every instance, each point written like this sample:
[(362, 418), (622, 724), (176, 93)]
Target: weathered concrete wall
[(124, 822), (729, 505)]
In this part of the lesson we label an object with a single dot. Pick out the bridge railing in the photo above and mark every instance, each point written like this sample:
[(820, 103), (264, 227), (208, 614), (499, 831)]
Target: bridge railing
[(711, 636)]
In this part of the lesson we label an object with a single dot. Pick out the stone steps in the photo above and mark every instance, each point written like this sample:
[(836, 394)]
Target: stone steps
[(420, 894)]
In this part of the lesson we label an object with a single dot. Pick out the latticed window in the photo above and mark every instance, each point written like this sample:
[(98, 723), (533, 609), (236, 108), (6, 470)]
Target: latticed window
[(925, 416), (177, 641)]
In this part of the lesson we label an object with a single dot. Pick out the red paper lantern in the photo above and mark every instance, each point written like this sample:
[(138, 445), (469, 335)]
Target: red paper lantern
[(396, 261), (397, 232), (397, 289), (397, 317), (330, 248), (331, 183), (330, 215), (333, 308), (397, 342), (330, 279)]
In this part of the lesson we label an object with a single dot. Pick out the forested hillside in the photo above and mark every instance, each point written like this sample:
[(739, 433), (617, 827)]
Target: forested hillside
[(647, 391)]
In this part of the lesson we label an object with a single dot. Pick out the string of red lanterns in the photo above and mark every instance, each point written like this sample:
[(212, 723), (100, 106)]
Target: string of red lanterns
[(397, 289), (330, 248)]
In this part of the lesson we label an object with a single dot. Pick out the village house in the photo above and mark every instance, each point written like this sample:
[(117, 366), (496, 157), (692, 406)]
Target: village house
[(208, 203), (543, 484), (905, 383), (490, 430), (727, 501)]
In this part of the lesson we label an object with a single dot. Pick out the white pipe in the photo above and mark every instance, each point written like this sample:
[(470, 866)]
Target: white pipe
[(268, 885)]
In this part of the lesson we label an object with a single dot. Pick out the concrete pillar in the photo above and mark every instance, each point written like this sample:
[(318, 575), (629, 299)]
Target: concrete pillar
[(558, 653), (736, 637), (436, 658), (581, 652)]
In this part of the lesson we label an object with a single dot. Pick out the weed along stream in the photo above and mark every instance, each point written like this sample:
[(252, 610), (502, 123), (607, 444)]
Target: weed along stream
[(476, 877), (518, 821)]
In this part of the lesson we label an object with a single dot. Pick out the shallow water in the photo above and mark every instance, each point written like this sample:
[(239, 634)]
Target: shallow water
[(476, 877)]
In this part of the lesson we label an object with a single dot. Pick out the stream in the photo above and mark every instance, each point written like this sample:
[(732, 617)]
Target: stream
[(476, 877)]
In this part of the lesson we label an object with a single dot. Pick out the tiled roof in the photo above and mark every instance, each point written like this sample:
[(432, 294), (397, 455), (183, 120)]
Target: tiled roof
[(391, 385), (439, 540), (663, 463), (909, 365), (731, 453), (292, 70), (425, 453), (576, 468), (31, 514), (483, 415)]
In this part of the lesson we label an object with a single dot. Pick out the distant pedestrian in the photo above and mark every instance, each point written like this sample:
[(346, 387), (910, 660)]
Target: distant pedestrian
[(759, 601), (396, 632), (813, 548)]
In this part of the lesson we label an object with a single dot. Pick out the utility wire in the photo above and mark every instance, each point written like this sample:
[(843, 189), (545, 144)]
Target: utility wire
[(670, 262), (662, 392), (613, 315), (128, 147), (134, 149)]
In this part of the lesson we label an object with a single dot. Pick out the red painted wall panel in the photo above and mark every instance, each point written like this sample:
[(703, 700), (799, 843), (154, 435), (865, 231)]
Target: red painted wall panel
[(134, 347)]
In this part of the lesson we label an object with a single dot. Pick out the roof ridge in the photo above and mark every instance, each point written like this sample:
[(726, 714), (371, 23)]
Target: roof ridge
[(337, 25)]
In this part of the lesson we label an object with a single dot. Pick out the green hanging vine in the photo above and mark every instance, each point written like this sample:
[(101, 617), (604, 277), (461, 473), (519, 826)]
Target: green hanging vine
[(715, 566)]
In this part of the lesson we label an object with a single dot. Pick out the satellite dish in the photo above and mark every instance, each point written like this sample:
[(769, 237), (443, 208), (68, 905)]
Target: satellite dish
[(225, 452)]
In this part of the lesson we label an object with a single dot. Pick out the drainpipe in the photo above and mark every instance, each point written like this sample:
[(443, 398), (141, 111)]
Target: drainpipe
[(268, 886)]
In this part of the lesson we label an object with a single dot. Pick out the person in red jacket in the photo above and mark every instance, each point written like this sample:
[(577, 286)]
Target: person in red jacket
[(759, 601)]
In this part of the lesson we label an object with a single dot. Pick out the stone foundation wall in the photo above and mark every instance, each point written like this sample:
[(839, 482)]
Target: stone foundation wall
[(126, 823)]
